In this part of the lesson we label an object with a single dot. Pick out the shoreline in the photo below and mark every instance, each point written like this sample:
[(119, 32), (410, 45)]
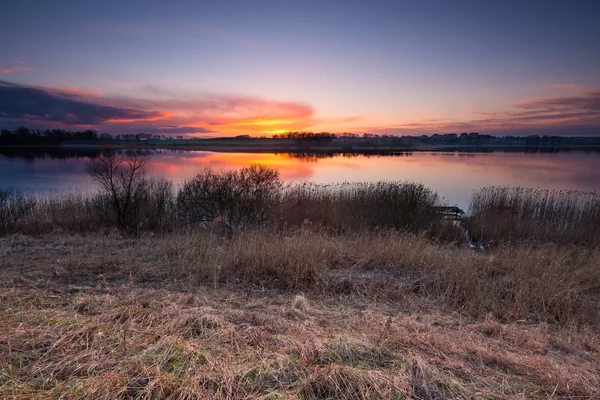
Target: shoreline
[(312, 149)]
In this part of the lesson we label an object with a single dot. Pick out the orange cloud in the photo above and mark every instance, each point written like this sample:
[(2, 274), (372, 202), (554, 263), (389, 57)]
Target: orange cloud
[(217, 112), (166, 111), (156, 116)]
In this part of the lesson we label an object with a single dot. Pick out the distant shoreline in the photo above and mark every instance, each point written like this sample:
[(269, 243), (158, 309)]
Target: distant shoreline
[(226, 146)]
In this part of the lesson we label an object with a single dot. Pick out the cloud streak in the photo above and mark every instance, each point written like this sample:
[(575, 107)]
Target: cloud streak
[(566, 115), (16, 67), (589, 101), (222, 109)]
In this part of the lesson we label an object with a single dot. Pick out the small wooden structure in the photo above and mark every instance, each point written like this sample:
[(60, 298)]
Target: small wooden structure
[(452, 213), (458, 217)]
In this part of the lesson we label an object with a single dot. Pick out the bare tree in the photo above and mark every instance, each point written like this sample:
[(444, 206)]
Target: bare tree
[(124, 188)]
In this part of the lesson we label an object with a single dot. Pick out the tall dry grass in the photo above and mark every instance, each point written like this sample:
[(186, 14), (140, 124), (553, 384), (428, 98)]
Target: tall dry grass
[(543, 283), (255, 197), (89, 211), (354, 206), (69, 211), (514, 282), (510, 214)]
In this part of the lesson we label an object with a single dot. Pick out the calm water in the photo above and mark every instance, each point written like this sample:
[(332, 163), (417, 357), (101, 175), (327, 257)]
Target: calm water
[(453, 175)]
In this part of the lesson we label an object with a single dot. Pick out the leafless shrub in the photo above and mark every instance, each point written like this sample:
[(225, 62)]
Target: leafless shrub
[(237, 199)]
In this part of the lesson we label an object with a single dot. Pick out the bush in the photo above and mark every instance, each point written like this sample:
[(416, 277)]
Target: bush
[(236, 199), (14, 206)]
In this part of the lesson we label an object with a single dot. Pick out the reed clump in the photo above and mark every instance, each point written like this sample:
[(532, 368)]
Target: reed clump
[(355, 206), (515, 214), (88, 212)]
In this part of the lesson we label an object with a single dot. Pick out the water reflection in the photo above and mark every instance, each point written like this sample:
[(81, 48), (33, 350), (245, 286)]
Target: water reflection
[(454, 174)]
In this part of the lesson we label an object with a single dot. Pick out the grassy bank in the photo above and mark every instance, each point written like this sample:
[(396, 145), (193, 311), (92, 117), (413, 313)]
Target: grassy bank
[(255, 197), (234, 202), (237, 285), (303, 315)]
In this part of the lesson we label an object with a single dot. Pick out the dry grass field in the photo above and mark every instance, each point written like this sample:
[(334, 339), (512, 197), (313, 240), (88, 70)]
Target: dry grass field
[(257, 314)]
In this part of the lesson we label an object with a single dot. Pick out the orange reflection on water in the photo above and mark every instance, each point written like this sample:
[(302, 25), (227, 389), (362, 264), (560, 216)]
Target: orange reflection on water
[(181, 166), (453, 175)]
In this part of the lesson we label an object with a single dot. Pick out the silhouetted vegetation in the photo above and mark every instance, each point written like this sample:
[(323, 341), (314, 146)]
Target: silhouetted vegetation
[(299, 141), (255, 197), (128, 199), (26, 136), (14, 206), (236, 199), (248, 198)]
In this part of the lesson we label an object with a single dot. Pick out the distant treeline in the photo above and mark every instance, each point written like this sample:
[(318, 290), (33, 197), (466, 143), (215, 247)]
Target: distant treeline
[(369, 139), (25, 136)]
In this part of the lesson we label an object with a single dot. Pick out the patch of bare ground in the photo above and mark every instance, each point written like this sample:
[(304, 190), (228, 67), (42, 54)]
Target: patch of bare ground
[(185, 318)]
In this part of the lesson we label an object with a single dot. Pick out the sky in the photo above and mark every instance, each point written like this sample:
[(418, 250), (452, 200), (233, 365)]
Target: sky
[(221, 68)]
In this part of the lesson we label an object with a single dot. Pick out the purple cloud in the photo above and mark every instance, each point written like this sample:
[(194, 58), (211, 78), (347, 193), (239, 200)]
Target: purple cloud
[(20, 102)]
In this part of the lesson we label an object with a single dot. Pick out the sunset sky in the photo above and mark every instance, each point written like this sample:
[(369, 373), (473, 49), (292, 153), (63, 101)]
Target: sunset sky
[(214, 68)]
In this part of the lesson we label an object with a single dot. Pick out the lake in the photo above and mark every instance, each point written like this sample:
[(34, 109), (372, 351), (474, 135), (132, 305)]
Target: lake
[(454, 175)]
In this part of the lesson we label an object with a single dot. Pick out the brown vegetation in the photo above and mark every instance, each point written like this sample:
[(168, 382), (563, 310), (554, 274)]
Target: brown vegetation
[(509, 214), (14, 206), (238, 286), (260, 315), (252, 197), (245, 198), (351, 207), (255, 197), (128, 199)]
